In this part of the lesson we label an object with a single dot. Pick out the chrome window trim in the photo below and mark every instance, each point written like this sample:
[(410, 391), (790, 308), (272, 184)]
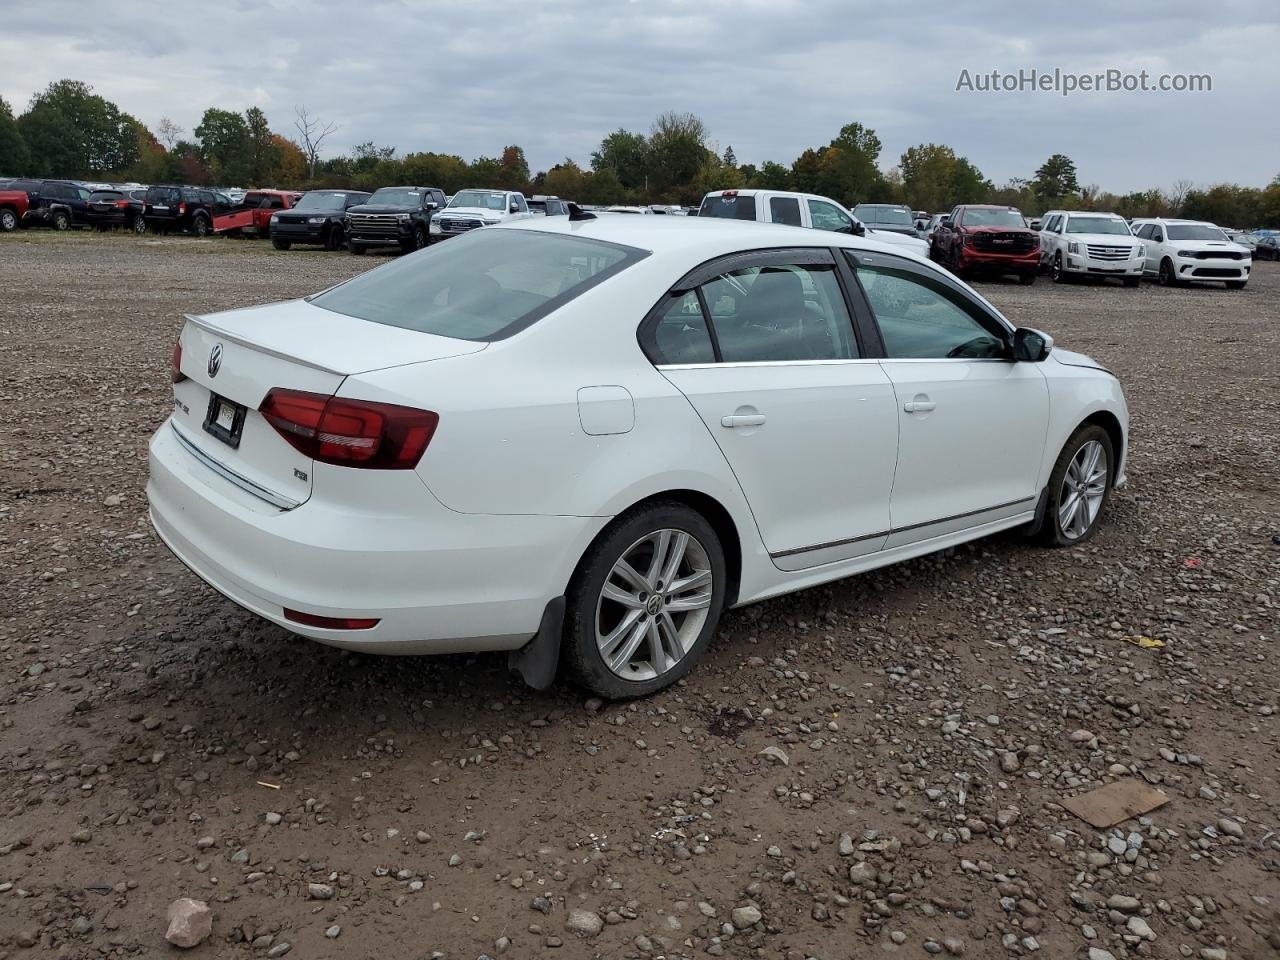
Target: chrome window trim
[(810, 363)]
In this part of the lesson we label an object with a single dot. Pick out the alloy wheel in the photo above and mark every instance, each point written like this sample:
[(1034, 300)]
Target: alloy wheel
[(1083, 488), (8, 222), (653, 604)]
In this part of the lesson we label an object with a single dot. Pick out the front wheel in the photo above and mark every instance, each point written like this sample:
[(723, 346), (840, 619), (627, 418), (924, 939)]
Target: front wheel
[(200, 227), (1168, 278), (280, 244), (1078, 487), (644, 601), (1057, 272), (1132, 281), (1026, 279), (1236, 284), (8, 221), (333, 239), (356, 249)]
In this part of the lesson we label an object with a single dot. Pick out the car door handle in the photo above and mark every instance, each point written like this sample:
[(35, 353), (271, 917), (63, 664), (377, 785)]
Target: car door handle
[(743, 420), (919, 405)]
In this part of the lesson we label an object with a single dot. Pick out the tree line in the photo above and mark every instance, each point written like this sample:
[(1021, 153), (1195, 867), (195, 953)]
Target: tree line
[(70, 132)]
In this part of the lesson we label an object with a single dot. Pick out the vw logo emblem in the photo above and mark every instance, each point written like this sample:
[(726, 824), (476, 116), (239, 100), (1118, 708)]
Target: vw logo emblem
[(215, 359)]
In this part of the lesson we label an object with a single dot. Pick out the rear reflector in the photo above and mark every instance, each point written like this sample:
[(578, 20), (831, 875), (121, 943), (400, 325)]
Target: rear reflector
[(176, 365), (350, 433), (330, 623)]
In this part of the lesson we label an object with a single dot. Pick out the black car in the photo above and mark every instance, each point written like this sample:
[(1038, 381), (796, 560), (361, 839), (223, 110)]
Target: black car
[(549, 206), (1268, 248), (890, 217), (116, 208), (61, 204), (319, 218), (183, 208), (394, 216)]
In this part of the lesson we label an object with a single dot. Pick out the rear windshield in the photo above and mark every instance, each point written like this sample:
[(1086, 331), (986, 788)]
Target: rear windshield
[(1194, 231), (1097, 225), (107, 195), (729, 207), (894, 216), (485, 285)]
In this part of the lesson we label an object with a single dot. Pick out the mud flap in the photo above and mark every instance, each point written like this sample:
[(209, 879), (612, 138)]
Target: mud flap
[(1042, 507), (538, 659)]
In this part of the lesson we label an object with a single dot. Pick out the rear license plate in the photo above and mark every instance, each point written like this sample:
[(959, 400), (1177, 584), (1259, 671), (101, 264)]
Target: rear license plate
[(225, 420)]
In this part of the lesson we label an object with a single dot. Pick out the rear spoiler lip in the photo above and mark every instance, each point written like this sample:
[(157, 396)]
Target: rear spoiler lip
[(280, 355), (245, 342)]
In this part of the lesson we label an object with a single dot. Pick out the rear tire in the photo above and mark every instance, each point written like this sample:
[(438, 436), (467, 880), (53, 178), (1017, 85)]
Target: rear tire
[(60, 221), (618, 603), (1079, 487), (1026, 279), (280, 244), (138, 224)]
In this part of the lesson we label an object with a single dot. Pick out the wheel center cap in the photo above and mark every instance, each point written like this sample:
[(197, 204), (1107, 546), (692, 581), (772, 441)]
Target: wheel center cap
[(653, 606)]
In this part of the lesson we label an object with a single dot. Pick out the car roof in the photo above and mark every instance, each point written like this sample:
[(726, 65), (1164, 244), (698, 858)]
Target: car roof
[(701, 237), (1086, 213)]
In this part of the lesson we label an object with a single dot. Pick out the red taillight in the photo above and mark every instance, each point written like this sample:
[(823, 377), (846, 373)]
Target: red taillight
[(182, 208), (122, 204), (728, 193), (330, 623), (176, 366), (350, 433)]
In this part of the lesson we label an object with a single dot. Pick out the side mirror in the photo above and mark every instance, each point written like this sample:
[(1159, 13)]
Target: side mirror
[(1031, 346), (857, 228), (431, 205)]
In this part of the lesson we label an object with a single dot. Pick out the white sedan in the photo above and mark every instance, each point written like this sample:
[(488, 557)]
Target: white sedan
[(582, 439)]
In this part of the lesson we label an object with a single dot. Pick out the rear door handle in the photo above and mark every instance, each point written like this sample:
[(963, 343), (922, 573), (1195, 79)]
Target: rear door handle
[(920, 404), (743, 420)]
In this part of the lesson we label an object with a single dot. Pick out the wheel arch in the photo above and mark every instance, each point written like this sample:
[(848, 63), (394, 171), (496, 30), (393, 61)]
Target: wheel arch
[(1109, 422)]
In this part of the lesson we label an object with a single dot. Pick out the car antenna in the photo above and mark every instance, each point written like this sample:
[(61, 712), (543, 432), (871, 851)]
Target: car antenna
[(577, 213)]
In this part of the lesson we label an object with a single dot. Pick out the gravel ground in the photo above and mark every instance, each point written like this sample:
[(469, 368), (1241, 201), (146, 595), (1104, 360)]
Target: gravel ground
[(871, 767)]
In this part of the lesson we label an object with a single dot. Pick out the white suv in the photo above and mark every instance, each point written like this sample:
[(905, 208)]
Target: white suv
[(468, 209), (798, 210), (1082, 243), (1180, 251)]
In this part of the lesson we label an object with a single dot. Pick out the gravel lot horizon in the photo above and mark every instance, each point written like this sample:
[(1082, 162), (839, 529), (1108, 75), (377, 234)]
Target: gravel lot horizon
[(875, 767)]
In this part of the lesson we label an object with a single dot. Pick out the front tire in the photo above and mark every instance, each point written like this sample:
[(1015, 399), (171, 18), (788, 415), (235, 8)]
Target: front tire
[(8, 221), (280, 244), (644, 601), (1236, 284), (200, 227), (1168, 277), (1026, 279), (1056, 271), (1132, 281), (356, 249), (333, 239), (1079, 486)]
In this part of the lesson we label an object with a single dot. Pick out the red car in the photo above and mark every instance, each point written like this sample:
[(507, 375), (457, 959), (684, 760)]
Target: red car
[(253, 216), (988, 238), (13, 207)]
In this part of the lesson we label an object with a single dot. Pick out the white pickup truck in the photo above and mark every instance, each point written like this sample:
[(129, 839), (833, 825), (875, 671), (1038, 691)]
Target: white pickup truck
[(798, 210), (478, 208)]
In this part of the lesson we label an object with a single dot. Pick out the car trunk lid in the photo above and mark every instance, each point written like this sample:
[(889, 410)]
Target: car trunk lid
[(231, 361)]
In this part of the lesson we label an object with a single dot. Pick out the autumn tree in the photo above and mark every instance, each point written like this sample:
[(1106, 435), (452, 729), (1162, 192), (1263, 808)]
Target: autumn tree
[(513, 169)]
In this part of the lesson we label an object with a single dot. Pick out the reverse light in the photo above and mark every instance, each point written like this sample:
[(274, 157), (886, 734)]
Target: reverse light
[(350, 433), (330, 623), (175, 371)]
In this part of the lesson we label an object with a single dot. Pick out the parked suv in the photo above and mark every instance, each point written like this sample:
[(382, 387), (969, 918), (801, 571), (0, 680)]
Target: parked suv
[(60, 204), (116, 208), (394, 216), (479, 208), (318, 217), (183, 208), (890, 217), (797, 210), (987, 237), (1182, 251), (1081, 243)]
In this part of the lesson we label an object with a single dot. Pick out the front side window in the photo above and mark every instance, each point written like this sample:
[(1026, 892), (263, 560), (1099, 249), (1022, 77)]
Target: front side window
[(827, 216), (921, 317), (785, 210), (779, 313), (482, 286)]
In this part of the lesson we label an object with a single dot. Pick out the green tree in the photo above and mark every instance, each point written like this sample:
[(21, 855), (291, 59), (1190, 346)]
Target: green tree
[(1056, 178), (772, 176), (262, 157), (603, 186), (484, 172), (928, 176), (729, 159), (224, 145), (566, 179), (13, 149), (968, 185), (448, 172), (849, 170), (806, 170), (70, 131), (678, 153), (627, 155)]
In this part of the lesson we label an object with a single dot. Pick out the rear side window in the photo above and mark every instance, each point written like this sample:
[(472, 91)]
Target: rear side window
[(785, 210), (680, 335), (485, 285), (729, 207)]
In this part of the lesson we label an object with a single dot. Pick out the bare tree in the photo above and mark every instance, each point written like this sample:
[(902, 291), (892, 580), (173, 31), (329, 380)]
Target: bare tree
[(1177, 195), (313, 132), (168, 132)]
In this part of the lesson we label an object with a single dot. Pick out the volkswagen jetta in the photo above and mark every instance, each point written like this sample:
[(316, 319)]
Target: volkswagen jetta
[(582, 439)]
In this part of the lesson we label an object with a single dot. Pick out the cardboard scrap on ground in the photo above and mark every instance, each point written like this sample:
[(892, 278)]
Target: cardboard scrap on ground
[(1115, 803), (1146, 643)]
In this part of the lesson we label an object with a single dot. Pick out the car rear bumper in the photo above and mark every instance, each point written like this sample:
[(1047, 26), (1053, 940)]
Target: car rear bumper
[(436, 580)]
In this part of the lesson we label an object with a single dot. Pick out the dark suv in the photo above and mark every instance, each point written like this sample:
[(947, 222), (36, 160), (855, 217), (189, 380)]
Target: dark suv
[(319, 217), (182, 208), (61, 204), (891, 217), (394, 216)]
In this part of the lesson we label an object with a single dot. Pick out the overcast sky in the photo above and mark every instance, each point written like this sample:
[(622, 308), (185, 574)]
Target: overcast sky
[(769, 77)]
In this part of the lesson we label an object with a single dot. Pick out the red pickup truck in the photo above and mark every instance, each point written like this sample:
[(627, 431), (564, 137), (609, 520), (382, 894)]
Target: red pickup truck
[(986, 237), (253, 216), (13, 207)]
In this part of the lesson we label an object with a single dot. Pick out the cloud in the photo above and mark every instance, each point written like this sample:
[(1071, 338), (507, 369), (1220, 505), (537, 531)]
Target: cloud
[(769, 77)]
